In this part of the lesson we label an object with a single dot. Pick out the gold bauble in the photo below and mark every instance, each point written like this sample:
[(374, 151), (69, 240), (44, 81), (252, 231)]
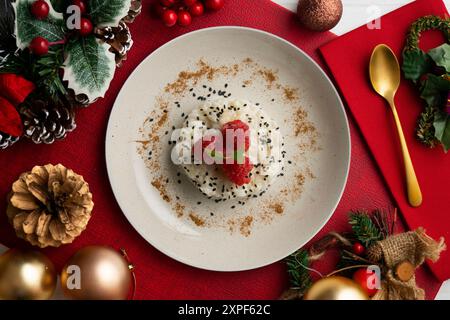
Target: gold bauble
[(103, 274), (26, 275), (336, 288)]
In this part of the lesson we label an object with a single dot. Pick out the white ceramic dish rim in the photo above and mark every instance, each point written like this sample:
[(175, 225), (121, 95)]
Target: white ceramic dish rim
[(347, 168)]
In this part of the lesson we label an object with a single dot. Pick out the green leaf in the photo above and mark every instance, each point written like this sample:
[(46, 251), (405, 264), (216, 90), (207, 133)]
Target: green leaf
[(434, 90), (415, 64), (89, 67), (108, 12), (28, 27), (441, 56), (442, 129)]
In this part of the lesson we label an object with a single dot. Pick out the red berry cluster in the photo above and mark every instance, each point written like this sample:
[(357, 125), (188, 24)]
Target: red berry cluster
[(40, 10), (181, 11)]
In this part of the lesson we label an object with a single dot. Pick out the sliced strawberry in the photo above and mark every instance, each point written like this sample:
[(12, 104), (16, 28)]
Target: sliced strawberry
[(237, 128), (238, 173)]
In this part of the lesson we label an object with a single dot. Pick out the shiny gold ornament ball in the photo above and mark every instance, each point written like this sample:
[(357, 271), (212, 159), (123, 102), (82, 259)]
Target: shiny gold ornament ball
[(319, 15), (96, 273), (26, 275), (335, 288)]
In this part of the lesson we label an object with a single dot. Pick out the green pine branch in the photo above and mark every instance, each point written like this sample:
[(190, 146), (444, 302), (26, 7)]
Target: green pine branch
[(297, 265), (364, 228), (42, 71)]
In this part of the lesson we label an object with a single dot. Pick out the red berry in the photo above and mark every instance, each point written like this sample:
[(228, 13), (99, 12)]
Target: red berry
[(86, 27), (170, 18), (40, 9), (39, 46), (167, 3), (197, 9), (236, 128), (184, 18), (214, 4), (365, 279), (189, 2), (80, 4), (358, 249), (238, 173)]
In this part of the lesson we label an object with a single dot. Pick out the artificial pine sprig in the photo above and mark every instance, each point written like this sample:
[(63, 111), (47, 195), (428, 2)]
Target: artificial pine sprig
[(298, 270), (43, 71), (364, 228)]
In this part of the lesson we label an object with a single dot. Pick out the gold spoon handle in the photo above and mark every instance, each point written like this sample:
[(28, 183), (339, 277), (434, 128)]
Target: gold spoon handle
[(412, 185)]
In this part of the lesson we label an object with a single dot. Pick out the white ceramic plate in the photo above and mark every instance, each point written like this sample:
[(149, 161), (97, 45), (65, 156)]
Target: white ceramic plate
[(217, 248)]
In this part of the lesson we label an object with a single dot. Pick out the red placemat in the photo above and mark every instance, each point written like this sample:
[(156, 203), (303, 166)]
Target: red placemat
[(158, 276), (348, 59)]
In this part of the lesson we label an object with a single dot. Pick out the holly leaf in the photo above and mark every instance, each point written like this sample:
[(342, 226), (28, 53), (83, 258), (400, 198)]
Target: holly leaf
[(442, 129), (434, 90), (441, 56), (28, 27), (89, 67), (108, 12), (415, 64)]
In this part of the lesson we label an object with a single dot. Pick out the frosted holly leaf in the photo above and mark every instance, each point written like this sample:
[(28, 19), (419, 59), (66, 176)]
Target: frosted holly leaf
[(27, 27), (89, 67), (108, 12)]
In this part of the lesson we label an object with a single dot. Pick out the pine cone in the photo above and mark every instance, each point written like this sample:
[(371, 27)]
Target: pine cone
[(49, 206), (119, 39), (6, 140), (46, 121), (135, 10)]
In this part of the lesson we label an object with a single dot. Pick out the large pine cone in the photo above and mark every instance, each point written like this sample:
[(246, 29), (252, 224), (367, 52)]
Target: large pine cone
[(119, 39), (46, 121), (49, 206), (6, 140)]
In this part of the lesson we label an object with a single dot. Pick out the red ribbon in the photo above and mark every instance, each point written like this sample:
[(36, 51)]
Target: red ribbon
[(13, 91)]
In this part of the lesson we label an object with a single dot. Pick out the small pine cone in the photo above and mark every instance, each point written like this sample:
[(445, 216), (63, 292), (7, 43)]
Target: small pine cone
[(6, 140), (375, 253), (135, 10), (46, 121), (49, 206), (119, 39)]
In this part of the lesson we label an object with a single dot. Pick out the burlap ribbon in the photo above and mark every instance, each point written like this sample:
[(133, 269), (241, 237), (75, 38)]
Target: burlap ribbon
[(413, 246)]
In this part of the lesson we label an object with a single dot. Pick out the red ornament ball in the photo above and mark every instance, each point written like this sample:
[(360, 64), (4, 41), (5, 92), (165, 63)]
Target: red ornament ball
[(39, 46), (197, 9), (86, 27), (189, 2), (167, 3), (170, 18), (214, 4), (184, 18), (80, 4), (363, 277), (40, 9), (358, 249)]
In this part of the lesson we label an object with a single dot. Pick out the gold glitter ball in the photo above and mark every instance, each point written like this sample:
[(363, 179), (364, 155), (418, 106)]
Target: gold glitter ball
[(319, 15)]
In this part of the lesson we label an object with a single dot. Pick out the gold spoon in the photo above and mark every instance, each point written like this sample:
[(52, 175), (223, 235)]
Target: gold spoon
[(385, 78)]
